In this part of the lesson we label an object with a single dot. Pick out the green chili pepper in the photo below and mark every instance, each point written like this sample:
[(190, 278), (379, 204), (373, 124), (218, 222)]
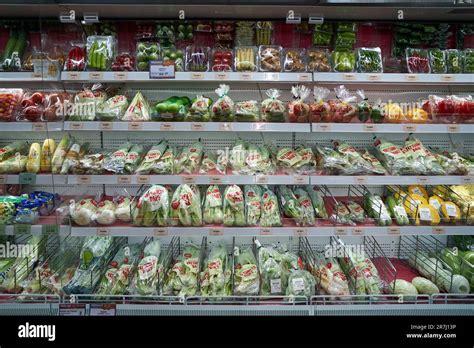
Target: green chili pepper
[(370, 60)]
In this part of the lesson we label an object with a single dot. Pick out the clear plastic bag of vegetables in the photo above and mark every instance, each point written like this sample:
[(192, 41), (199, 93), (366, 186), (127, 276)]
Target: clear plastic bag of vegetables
[(115, 161), (182, 278), (199, 111), (298, 110), (272, 108), (189, 159), (253, 204), (213, 162), (270, 216), (247, 111), (422, 157), (246, 275), (301, 283), (212, 206), (333, 281), (152, 208), (357, 164), (186, 206), (112, 109), (216, 277), (133, 159), (149, 270), (223, 108), (289, 204), (332, 161), (171, 109), (151, 158), (369, 60), (166, 163), (234, 206), (318, 202), (319, 109), (308, 217)]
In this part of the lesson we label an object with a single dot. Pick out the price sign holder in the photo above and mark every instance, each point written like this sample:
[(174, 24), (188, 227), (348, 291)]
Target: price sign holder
[(161, 70)]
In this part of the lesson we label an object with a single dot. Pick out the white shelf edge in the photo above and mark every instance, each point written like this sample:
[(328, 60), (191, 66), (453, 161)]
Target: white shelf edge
[(353, 77), (390, 180), (390, 128), (132, 231), (187, 126), (31, 126), (24, 76)]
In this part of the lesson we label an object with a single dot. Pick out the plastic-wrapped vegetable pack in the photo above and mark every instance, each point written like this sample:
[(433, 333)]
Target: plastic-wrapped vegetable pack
[(332, 279), (289, 204), (115, 161), (357, 164), (363, 273), (223, 108), (298, 110), (138, 110), (369, 60), (182, 278), (189, 159), (301, 283), (83, 211), (151, 158), (272, 108), (105, 212), (216, 277), (147, 277), (317, 201), (199, 110), (112, 109), (116, 278), (95, 252), (300, 160), (186, 206), (248, 159), (214, 162), (234, 206), (270, 216), (152, 208), (134, 157), (307, 212), (247, 111), (253, 204), (319, 109), (343, 109), (246, 275), (212, 207)]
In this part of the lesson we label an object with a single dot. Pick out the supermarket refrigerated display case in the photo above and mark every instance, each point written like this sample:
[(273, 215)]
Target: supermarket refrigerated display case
[(141, 138)]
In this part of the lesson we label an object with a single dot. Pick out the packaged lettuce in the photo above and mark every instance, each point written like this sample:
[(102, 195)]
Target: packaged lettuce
[(82, 212), (270, 216), (138, 110), (273, 109), (246, 277), (357, 213), (307, 211), (393, 157), (422, 158), (212, 207), (357, 164), (362, 272), (317, 201), (11, 149), (290, 205), (189, 159), (223, 108), (112, 109), (105, 213), (234, 207), (247, 111), (210, 163), (152, 208), (376, 166), (253, 204), (134, 157), (341, 215), (115, 161), (166, 163), (146, 280), (301, 283), (216, 277), (123, 210), (153, 155), (182, 278), (186, 206), (199, 110)]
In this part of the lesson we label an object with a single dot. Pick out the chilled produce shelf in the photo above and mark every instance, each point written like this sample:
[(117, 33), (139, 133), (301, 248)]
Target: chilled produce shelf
[(326, 231), (188, 126), (390, 180), (391, 128), (33, 179), (24, 77), (31, 126), (350, 77)]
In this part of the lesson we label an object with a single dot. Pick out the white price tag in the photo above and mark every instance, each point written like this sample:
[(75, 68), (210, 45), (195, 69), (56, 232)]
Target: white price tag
[(121, 75), (340, 231), (124, 179), (36, 75), (216, 180), (300, 179), (298, 284), (216, 231), (272, 76), (160, 70), (197, 76), (373, 77), (409, 128), (266, 232), (221, 76), (3, 179), (451, 210), (453, 128), (38, 127), (197, 126), (349, 77), (300, 232), (423, 180), (166, 126), (160, 231), (425, 214), (83, 179), (103, 309), (259, 126), (358, 231), (261, 179), (275, 286), (370, 127), (76, 125), (103, 231), (188, 179), (438, 230), (225, 126), (304, 77), (411, 77), (467, 179), (393, 230), (72, 309), (73, 75), (360, 180), (323, 127), (133, 126), (246, 76), (96, 75), (143, 179), (106, 126), (448, 78)]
